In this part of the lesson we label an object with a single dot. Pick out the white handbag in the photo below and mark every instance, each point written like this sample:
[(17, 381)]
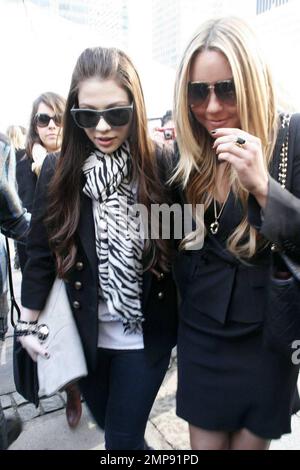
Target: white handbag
[(67, 361)]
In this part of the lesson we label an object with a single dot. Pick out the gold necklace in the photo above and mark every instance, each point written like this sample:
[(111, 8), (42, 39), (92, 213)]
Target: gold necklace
[(214, 226)]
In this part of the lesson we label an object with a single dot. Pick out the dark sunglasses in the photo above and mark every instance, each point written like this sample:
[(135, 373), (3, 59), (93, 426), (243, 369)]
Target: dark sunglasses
[(198, 92), (115, 117), (43, 119)]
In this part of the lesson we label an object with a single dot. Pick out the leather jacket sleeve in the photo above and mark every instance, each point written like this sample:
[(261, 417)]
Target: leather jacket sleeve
[(279, 221), (14, 221)]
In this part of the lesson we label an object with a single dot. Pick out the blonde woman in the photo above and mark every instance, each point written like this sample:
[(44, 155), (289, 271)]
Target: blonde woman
[(233, 391), (17, 139)]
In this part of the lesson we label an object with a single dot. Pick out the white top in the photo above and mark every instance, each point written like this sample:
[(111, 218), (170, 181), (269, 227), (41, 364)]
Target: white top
[(111, 333)]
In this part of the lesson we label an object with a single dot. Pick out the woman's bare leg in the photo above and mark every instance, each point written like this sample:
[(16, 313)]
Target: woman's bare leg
[(246, 440), (201, 439)]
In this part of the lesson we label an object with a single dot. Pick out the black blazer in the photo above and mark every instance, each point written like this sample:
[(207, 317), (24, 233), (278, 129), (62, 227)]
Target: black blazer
[(159, 300)]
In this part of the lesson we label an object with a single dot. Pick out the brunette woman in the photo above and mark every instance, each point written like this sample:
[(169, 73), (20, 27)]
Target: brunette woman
[(120, 288)]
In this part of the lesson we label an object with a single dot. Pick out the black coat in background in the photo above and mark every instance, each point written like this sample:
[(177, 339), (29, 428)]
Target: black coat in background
[(26, 182)]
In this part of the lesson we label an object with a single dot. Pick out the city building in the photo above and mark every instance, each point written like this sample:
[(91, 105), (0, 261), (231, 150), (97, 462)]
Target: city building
[(277, 23), (265, 5), (109, 19), (153, 32), (174, 21)]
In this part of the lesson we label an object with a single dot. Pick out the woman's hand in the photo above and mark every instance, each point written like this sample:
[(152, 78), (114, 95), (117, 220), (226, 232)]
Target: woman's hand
[(33, 347), (38, 155), (246, 159), (31, 342)]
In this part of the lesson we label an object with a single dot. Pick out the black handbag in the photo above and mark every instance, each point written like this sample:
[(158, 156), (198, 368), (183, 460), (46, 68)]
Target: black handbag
[(282, 326), (24, 368), (25, 374)]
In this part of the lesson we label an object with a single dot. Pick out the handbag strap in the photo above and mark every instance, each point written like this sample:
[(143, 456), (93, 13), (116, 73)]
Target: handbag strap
[(280, 161), (14, 304)]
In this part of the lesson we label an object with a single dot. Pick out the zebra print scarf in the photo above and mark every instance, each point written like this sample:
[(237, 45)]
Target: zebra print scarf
[(108, 184)]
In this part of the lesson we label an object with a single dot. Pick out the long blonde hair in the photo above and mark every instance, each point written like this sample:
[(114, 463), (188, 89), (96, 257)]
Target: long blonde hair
[(256, 109), (16, 137)]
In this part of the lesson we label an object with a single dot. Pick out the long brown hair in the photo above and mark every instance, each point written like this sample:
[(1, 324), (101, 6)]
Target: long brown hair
[(66, 186), (52, 100)]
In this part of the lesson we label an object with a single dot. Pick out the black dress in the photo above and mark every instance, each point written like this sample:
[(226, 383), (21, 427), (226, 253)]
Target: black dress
[(227, 378)]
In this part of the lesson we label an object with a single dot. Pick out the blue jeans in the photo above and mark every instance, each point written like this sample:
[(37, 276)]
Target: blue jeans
[(120, 395)]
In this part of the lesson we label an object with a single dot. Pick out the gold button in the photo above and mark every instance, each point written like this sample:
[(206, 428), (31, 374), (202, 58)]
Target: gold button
[(79, 266), (76, 304), (160, 295), (161, 276), (78, 285)]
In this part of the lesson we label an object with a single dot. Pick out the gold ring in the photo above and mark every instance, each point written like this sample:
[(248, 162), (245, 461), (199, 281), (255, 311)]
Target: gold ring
[(240, 142)]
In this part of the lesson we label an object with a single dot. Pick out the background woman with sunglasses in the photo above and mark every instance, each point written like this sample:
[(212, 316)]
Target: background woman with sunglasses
[(121, 291), (234, 392), (44, 136)]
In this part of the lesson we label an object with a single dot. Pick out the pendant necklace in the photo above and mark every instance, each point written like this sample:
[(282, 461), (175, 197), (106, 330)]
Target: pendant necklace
[(214, 226)]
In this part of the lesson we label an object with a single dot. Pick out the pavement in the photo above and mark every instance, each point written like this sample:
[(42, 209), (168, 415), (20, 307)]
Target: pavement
[(45, 427)]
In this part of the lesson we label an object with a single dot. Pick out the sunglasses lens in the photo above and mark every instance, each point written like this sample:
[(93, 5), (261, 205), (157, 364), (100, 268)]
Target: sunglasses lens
[(42, 120), (58, 119), (225, 91), (86, 119), (118, 117), (197, 93), (114, 117)]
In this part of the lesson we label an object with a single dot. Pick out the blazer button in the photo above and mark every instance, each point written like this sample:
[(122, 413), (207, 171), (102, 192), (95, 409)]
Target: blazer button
[(161, 276), (76, 304), (160, 295), (79, 266), (78, 285)]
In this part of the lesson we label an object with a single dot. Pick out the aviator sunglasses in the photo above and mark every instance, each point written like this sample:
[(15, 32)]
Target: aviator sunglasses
[(198, 92), (115, 117), (43, 119)]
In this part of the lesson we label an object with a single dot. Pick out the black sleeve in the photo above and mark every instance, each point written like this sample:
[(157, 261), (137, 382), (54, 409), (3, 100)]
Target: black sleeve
[(279, 221), (39, 272), (167, 160), (164, 157), (13, 219), (16, 227), (26, 181)]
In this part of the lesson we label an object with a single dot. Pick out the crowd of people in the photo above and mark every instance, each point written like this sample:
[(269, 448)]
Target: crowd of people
[(135, 297)]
